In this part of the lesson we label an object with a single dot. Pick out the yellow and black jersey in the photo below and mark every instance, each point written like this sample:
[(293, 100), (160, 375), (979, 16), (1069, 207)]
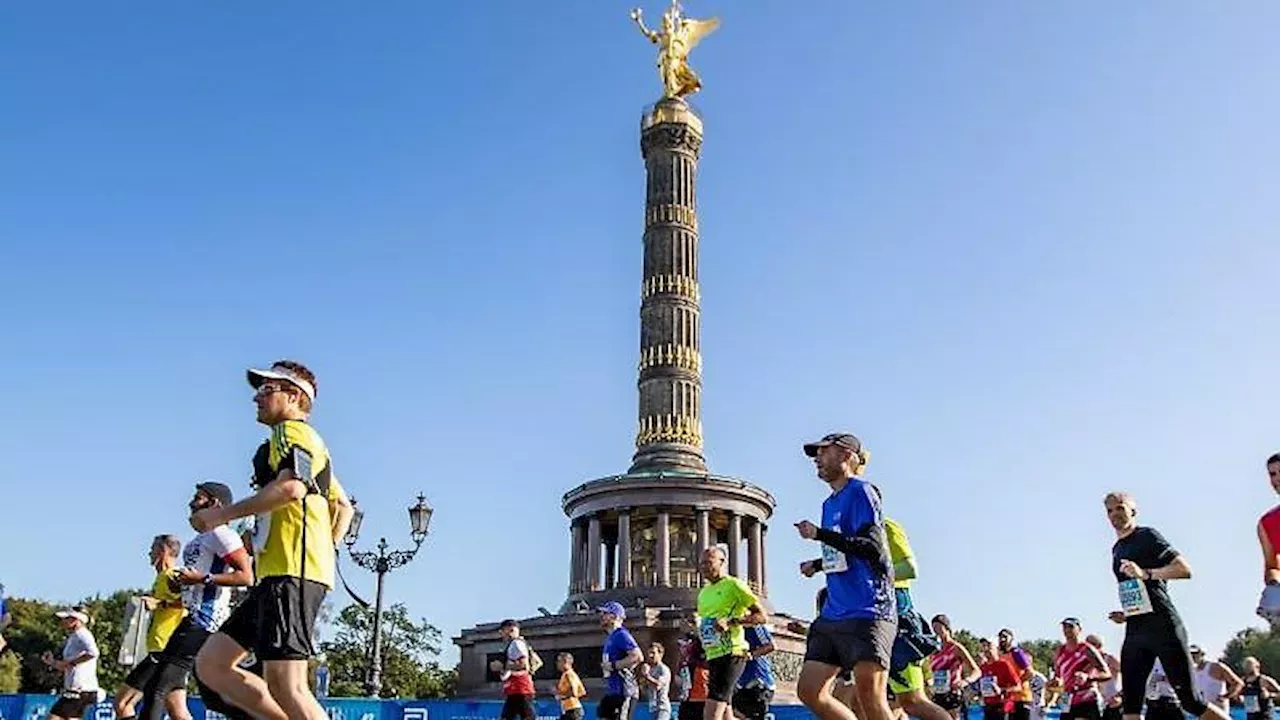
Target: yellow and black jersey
[(278, 535), (167, 615)]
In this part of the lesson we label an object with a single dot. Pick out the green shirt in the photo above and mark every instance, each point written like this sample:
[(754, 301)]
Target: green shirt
[(899, 547), (727, 597)]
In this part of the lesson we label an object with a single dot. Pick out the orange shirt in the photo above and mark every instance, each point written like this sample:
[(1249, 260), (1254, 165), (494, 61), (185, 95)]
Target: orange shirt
[(570, 689), (698, 687)]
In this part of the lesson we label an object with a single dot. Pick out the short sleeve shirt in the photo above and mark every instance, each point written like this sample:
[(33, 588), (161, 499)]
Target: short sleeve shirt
[(278, 534), (166, 616), (854, 590), (726, 598), (617, 645), (82, 677), (1148, 548), (207, 554)]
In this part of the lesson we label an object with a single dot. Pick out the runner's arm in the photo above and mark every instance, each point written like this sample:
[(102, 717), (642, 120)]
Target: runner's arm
[(1177, 569), (241, 573), (277, 493), (340, 514), (867, 544), (1229, 676), (1269, 684), (969, 670), (1102, 671), (1270, 563), (761, 650), (633, 657), (755, 616)]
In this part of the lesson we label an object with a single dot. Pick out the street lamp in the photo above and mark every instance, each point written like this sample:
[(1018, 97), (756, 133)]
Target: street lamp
[(382, 562)]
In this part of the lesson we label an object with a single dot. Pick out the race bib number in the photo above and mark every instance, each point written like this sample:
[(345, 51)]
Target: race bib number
[(941, 682), (709, 633), (988, 684), (261, 531), (1251, 704), (833, 561), (1134, 597)]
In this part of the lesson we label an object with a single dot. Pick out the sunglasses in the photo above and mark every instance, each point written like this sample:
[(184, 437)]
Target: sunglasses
[(269, 388)]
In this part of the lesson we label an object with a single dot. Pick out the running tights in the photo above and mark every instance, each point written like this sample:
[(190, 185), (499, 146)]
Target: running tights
[(1138, 656)]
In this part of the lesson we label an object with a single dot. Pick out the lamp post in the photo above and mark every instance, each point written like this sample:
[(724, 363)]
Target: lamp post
[(382, 562)]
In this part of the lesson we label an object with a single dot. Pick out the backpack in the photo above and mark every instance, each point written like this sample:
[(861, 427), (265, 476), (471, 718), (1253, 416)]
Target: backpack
[(915, 641), (533, 661)]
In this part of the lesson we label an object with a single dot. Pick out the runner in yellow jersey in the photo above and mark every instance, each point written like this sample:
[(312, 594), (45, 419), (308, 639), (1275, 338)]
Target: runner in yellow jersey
[(907, 685), (165, 604), (301, 514)]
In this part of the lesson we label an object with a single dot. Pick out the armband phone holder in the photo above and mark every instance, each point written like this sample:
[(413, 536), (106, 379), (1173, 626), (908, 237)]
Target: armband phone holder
[(302, 469)]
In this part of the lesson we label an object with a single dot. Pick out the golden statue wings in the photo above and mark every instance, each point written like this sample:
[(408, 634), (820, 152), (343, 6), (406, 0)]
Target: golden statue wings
[(677, 37)]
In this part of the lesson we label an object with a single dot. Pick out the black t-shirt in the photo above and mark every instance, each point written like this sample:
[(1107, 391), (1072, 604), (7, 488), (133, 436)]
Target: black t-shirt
[(1148, 548)]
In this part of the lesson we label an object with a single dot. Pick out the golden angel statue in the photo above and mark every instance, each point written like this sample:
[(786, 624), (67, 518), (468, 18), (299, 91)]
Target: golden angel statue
[(678, 36)]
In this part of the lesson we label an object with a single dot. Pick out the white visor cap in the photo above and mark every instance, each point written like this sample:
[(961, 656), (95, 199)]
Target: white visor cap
[(280, 372)]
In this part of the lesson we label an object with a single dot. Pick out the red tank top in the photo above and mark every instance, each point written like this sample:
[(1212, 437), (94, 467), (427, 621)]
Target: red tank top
[(947, 660), (1066, 663), (1271, 526)]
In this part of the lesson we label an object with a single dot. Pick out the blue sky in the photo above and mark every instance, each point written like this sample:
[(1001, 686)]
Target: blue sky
[(1026, 250)]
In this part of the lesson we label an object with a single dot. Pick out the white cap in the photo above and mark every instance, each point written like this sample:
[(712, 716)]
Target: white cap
[(280, 372), (73, 614)]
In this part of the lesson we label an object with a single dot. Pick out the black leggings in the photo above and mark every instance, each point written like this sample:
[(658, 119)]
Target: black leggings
[(1138, 656)]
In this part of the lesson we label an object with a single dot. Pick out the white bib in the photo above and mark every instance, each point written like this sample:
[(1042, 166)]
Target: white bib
[(709, 633), (1134, 597), (833, 561), (988, 686), (1251, 704), (941, 682)]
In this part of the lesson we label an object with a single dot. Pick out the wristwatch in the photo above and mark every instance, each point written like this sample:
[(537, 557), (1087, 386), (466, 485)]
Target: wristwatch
[(208, 579)]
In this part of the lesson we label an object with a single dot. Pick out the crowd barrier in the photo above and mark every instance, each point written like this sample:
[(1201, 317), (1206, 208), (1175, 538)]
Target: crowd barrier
[(36, 707)]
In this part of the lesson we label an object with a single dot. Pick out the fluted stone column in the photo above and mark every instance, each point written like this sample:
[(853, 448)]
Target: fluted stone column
[(670, 384), (610, 563), (624, 549), (663, 553), (593, 554), (735, 538), (764, 565), (754, 558), (576, 541)]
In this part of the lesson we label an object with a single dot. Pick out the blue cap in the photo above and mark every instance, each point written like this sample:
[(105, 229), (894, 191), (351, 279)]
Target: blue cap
[(614, 607)]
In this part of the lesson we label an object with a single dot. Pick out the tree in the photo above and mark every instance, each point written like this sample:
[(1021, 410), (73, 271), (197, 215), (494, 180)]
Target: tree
[(1042, 653), (409, 650), (10, 673), (967, 640), (1262, 644), (35, 630)]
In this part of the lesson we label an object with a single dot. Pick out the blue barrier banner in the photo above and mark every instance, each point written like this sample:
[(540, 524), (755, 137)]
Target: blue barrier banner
[(36, 707)]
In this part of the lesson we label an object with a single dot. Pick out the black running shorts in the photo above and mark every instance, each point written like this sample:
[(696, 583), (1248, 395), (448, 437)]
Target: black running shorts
[(752, 703), (614, 707), (845, 643), (948, 701), (277, 621), (722, 676), (518, 706), (1083, 711), (142, 673), (72, 704), (691, 710)]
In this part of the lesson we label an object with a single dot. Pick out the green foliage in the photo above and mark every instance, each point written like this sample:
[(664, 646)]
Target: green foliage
[(1042, 652), (968, 641), (34, 630), (10, 673), (409, 649), (1262, 644)]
